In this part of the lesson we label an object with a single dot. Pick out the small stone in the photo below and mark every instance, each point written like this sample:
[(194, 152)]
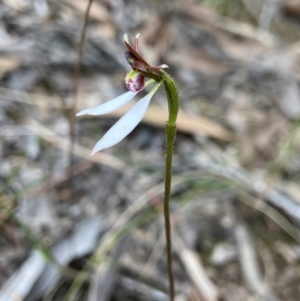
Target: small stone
[(222, 254)]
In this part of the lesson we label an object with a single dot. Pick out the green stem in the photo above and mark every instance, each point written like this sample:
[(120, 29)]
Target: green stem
[(172, 94), (170, 138)]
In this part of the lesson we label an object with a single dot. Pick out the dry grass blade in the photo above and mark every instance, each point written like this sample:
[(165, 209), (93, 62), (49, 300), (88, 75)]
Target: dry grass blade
[(250, 265), (195, 270), (154, 257), (271, 213)]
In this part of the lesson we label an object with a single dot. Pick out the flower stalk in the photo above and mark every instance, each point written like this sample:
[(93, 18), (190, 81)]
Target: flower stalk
[(172, 94), (170, 139)]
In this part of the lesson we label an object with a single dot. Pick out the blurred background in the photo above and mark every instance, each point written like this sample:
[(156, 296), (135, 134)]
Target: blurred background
[(76, 227)]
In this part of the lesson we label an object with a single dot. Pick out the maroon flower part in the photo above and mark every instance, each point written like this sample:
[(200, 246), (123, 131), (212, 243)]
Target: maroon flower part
[(135, 60), (135, 81)]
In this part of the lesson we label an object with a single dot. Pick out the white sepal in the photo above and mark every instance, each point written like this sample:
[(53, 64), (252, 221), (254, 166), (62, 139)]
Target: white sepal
[(109, 106), (125, 38), (126, 123)]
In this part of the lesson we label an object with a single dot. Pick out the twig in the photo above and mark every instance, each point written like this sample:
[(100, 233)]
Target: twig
[(76, 80)]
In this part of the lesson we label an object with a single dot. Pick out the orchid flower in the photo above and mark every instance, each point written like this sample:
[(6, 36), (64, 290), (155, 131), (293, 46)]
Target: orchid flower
[(135, 82)]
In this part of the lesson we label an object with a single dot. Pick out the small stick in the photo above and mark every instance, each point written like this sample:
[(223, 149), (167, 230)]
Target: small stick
[(76, 80)]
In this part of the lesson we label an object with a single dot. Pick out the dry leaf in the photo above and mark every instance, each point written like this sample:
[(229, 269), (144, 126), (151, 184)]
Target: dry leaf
[(8, 64)]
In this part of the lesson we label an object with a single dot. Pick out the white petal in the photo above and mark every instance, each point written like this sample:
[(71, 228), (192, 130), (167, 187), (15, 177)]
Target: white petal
[(126, 124), (109, 106)]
